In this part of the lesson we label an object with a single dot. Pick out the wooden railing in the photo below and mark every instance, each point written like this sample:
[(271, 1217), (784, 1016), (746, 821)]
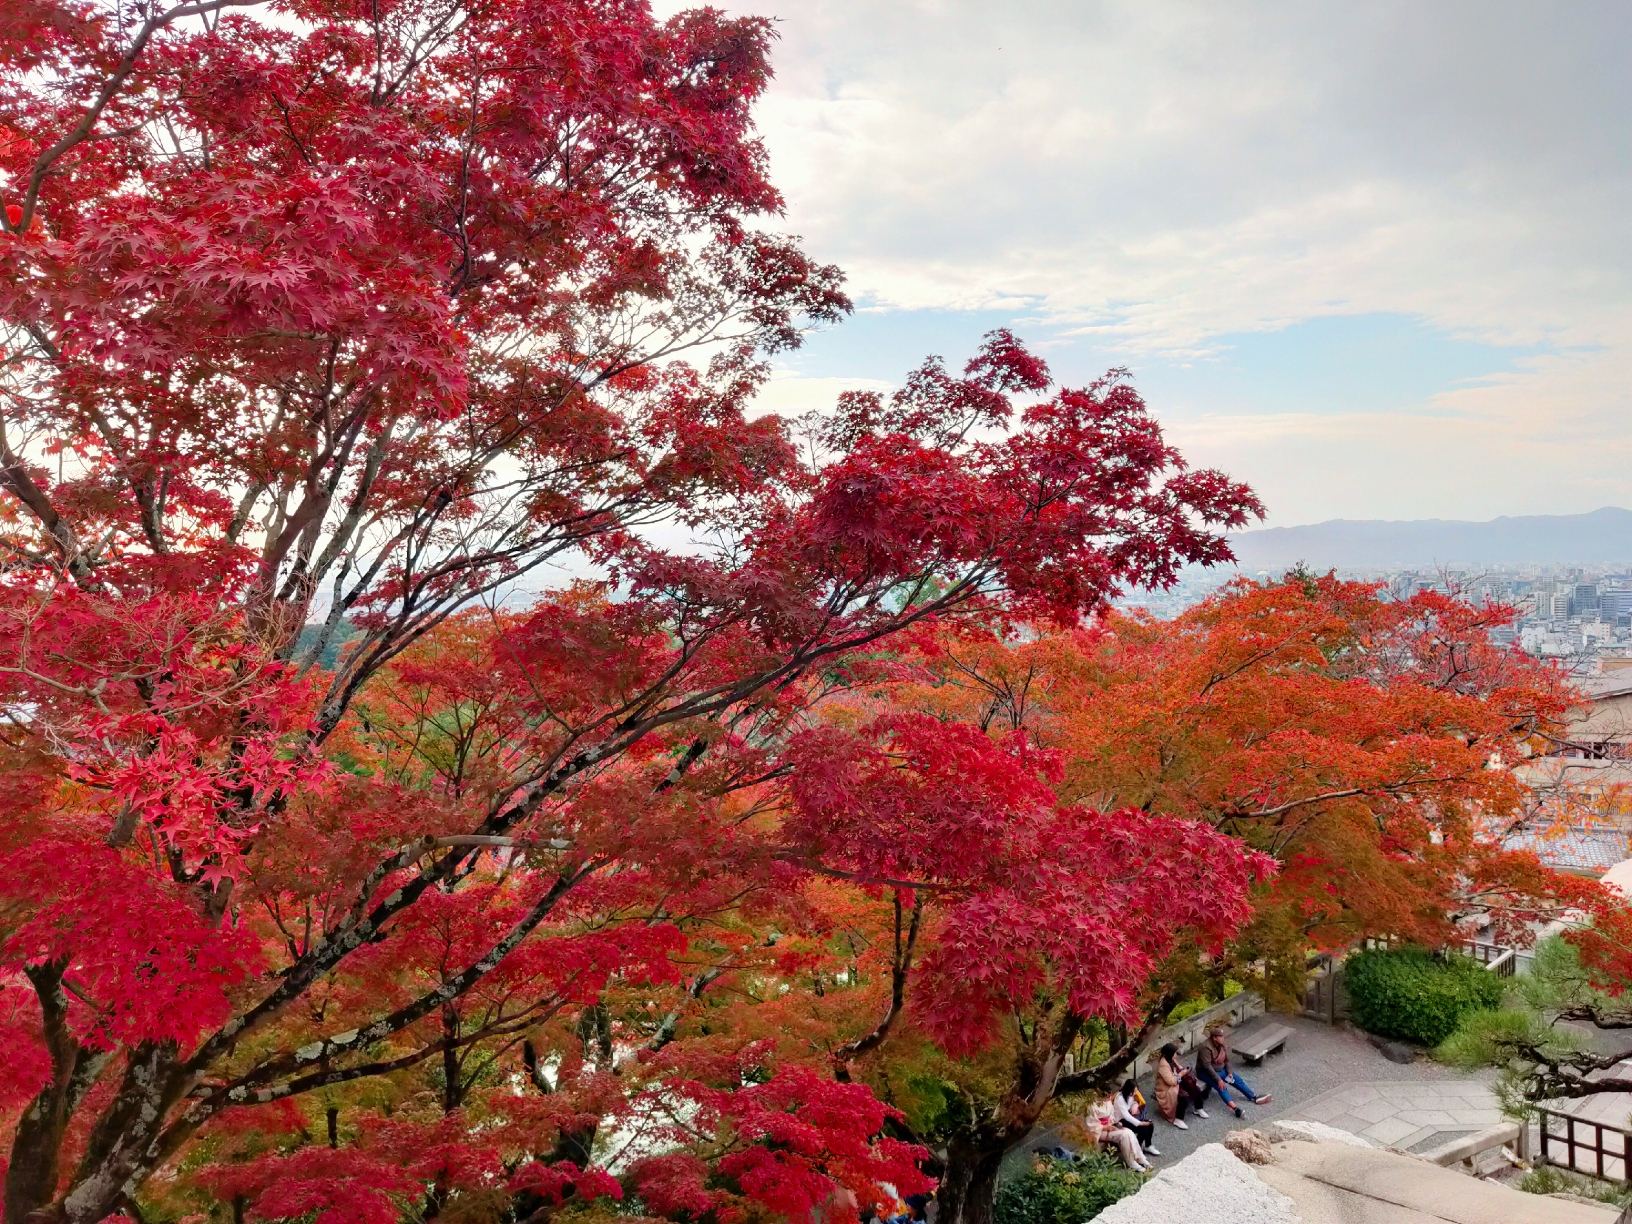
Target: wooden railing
[(1500, 960), (1603, 1145), (1503, 962)]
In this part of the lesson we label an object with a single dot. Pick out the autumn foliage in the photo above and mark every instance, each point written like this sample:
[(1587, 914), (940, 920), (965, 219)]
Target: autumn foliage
[(1374, 746), (383, 798), (1359, 754), (1370, 744), (460, 760)]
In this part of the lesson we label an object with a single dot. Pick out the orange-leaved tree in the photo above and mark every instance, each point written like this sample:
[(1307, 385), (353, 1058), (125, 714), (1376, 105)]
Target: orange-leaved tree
[(1367, 745)]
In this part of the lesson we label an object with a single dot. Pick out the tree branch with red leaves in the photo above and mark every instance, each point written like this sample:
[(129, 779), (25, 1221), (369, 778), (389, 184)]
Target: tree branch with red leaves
[(321, 335)]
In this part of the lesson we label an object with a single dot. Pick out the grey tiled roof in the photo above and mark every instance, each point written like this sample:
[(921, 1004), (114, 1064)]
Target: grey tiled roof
[(1576, 849)]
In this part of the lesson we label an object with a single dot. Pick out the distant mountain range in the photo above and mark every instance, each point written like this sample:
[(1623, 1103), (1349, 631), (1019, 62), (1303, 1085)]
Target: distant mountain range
[(1600, 538)]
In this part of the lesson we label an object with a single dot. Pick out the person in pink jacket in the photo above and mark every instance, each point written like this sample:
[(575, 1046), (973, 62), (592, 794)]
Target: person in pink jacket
[(1102, 1127)]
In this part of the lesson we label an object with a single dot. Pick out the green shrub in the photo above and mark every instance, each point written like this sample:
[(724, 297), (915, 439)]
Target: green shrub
[(1063, 1192), (1416, 995), (1544, 1179), (1199, 1004)]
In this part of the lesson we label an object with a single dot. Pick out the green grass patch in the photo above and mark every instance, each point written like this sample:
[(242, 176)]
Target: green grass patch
[(1064, 1192), (1544, 1179)]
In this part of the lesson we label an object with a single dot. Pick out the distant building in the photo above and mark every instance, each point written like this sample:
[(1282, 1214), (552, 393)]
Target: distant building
[(1584, 850), (1602, 729), (1593, 760)]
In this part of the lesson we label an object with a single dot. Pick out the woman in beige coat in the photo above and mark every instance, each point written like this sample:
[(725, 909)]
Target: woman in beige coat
[(1173, 1095)]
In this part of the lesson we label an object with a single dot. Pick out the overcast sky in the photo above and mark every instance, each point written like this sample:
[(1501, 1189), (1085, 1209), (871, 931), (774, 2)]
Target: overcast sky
[(1373, 258)]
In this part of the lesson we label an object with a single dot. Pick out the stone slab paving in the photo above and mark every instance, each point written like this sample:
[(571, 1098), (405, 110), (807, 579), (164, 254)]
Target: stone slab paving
[(1610, 1110), (1404, 1114)]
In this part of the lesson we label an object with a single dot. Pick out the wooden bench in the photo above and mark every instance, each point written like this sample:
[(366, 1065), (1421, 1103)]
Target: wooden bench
[(1259, 1045)]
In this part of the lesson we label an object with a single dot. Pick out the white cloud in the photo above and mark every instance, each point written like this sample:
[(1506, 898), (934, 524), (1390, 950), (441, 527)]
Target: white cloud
[(1552, 440), (789, 396), (1186, 169), (1165, 172)]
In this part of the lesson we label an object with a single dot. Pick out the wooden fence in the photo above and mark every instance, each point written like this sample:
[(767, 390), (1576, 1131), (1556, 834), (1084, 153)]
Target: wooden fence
[(1323, 997), (1594, 1148)]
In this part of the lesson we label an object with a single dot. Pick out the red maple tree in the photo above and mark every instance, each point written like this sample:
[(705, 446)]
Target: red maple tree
[(321, 329)]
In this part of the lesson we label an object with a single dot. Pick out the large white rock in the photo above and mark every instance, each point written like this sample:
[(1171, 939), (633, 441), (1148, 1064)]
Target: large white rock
[(1313, 1132), (1209, 1186)]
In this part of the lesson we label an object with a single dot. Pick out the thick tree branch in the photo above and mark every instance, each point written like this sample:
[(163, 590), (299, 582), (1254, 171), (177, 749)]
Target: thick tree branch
[(1109, 1073), (319, 1052), (899, 970), (670, 1023)]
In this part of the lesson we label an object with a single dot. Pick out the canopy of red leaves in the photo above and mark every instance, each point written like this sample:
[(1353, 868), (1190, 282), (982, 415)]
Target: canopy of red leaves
[(325, 331)]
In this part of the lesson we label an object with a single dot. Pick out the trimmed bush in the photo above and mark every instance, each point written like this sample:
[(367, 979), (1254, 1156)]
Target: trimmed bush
[(1063, 1191), (1415, 995)]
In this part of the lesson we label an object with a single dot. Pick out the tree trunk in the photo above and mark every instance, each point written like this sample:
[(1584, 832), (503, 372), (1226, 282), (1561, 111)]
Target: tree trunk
[(969, 1184), (577, 1144), (453, 1094), (36, 1148), (126, 1144), (31, 1177)]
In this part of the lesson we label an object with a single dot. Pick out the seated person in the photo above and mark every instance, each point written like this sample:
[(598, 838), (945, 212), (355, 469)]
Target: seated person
[(892, 1209), (1131, 1113), (1102, 1129), (1213, 1068), (1177, 1089)]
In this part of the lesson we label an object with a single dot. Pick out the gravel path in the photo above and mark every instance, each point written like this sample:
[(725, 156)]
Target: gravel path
[(1317, 1058)]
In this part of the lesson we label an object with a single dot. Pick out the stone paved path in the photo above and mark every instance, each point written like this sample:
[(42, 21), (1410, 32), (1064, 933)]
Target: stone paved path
[(1408, 1114)]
